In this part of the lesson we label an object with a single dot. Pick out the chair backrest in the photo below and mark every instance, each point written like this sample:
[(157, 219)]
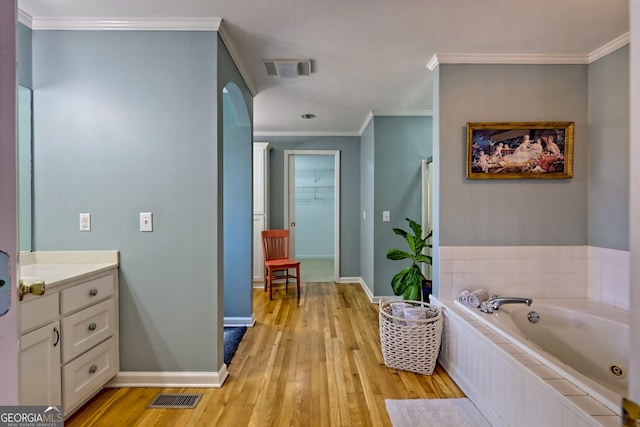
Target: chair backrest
[(275, 244)]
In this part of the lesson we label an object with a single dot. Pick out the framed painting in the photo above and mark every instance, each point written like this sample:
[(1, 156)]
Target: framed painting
[(510, 150)]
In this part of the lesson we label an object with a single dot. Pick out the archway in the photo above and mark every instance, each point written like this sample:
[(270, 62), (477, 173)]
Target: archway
[(237, 157)]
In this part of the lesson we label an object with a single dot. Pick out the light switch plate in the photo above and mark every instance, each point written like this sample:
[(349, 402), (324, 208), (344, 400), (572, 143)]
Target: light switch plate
[(386, 216), (146, 221)]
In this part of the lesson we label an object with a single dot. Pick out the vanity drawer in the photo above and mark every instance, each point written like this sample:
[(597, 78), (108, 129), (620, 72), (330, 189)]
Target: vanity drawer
[(38, 311), (86, 328), (87, 293), (88, 373)]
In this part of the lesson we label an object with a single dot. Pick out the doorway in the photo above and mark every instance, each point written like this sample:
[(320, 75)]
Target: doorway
[(311, 211)]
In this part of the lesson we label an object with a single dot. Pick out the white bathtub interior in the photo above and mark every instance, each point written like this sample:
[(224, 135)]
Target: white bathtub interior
[(594, 343)]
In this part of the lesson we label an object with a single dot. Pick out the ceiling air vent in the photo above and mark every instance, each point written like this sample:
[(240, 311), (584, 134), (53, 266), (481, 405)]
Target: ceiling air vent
[(287, 67)]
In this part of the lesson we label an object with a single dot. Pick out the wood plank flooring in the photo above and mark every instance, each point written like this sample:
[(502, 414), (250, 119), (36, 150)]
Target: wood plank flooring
[(313, 361)]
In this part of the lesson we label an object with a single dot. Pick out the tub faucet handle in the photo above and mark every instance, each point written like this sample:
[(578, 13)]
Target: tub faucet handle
[(486, 307)]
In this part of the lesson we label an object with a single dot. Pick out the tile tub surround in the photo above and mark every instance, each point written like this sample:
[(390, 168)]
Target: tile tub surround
[(609, 279), (548, 272), (509, 386)]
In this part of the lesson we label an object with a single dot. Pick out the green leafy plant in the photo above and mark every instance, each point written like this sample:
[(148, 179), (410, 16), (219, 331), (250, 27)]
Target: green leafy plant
[(409, 281)]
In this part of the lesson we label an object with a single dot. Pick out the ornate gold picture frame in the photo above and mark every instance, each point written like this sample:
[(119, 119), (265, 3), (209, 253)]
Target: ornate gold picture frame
[(510, 150)]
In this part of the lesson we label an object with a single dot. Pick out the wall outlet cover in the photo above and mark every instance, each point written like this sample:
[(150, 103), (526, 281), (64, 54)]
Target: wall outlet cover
[(85, 222)]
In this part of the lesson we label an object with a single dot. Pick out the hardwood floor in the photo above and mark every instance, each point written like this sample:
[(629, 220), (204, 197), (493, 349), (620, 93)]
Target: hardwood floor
[(315, 361)]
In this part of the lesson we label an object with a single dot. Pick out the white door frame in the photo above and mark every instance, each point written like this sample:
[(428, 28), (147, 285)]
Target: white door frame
[(289, 197), (427, 210)]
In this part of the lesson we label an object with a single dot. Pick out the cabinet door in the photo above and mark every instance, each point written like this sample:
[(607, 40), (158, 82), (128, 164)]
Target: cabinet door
[(258, 257), (40, 382)]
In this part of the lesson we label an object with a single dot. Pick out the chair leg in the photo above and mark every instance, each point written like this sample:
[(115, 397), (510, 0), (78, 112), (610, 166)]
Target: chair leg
[(298, 278), (266, 271), (270, 284)]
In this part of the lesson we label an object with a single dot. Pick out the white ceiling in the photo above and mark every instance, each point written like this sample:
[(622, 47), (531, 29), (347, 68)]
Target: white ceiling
[(368, 55)]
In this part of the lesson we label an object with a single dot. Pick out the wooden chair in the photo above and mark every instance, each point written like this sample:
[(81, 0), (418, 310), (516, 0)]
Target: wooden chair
[(275, 246)]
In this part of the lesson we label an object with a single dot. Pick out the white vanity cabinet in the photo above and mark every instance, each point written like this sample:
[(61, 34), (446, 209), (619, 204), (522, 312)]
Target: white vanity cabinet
[(40, 366), (69, 335)]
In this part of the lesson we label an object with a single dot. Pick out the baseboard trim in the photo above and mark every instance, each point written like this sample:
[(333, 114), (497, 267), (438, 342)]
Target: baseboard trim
[(170, 379), (362, 284), (314, 257), (240, 321), (373, 299)]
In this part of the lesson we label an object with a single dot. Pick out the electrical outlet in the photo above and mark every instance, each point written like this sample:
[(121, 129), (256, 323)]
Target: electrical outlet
[(85, 222), (146, 221)]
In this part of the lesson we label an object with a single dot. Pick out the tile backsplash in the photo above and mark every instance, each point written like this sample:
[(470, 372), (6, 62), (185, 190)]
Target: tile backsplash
[(609, 276), (537, 272)]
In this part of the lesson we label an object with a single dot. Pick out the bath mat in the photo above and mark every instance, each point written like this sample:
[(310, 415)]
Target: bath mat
[(232, 338), (435, 413)]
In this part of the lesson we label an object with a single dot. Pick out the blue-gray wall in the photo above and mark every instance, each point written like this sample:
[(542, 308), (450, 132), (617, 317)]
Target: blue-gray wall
[(400, 145), (367, 214), (24, 76), (349, 192), (510, 212), (609, 151), (127, 122)]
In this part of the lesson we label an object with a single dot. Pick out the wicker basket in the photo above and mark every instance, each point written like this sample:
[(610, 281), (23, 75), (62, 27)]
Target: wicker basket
[(407, 344)]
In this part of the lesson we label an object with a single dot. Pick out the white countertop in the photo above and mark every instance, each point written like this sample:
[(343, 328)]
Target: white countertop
[(56, 267)]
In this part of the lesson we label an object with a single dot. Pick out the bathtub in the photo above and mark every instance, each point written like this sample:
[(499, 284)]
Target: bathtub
[(571, 360), (585, 341)]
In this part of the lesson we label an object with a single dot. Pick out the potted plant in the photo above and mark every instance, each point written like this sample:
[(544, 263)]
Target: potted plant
[(410, 281)]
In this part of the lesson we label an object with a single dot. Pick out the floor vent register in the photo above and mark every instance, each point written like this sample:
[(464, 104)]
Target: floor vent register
[(176, 401)]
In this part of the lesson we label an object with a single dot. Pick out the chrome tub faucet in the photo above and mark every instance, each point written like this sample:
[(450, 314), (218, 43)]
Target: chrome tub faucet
[(495, 302)]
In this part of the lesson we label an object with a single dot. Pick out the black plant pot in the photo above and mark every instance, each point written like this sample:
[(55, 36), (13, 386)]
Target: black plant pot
[(427, 289)]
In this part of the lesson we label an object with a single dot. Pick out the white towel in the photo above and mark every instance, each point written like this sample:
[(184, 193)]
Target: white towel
[(462, 298), (475, 298), (397, 310), (414, 313)]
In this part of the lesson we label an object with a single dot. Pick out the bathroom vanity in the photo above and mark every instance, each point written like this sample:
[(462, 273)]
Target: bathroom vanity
[(68, 334)]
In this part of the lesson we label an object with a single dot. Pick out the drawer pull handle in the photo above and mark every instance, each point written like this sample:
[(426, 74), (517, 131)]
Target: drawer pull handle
[(93, 369), (93, 292), (57, 332), (92, 327)]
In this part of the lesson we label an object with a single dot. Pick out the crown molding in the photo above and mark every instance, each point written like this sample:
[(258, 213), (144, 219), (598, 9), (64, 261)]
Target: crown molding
[(240, 62), (270, 133), (365, 123), (529, 58), (403, 113), (126, 24), (511, 58), (433, 63), (610, 47), (25, 19)]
